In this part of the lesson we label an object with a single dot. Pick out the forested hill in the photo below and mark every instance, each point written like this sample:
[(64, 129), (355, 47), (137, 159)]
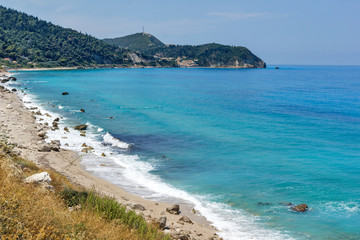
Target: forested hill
[(206, 55), (209, 55), (136, 42), (26, 41)]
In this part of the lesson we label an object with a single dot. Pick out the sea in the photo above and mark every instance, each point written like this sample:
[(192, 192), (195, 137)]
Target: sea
[(242, 146)]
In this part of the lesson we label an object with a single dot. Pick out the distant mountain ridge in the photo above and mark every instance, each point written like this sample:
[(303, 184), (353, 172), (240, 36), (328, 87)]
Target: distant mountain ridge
[(135, 42), (206, 55)]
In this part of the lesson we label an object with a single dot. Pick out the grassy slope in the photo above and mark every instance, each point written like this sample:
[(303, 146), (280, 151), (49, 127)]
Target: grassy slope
[(28, 211)]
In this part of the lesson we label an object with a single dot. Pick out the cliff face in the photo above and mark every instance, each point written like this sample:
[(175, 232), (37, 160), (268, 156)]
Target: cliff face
[(236, 64)]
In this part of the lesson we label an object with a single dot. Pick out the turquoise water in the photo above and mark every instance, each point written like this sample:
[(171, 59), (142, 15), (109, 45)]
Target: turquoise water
[(225, 140)]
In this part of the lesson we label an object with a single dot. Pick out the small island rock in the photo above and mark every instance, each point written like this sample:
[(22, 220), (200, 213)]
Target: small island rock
[(300, 208)]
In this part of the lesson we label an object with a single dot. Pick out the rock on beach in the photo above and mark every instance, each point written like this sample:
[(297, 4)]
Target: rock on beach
[(175, 209), (80, 127), (185, 219)]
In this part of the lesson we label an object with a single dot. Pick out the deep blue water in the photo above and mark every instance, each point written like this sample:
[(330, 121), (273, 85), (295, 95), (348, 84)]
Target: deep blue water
[(230, 138)]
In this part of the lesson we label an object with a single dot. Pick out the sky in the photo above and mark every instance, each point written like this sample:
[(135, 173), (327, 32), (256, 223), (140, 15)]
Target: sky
[(320, 32)]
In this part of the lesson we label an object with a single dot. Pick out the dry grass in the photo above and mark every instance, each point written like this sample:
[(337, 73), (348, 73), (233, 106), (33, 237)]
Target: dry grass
[(28, 211)]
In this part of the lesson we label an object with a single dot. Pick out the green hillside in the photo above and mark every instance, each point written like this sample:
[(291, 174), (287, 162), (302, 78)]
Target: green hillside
[(211, 55), (26, 41), (207, 55), (135, 42)]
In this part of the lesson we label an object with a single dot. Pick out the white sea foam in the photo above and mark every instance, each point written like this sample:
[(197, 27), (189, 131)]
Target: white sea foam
[(109, 139), (60, 107), (233, 224), (130, 172), (75, 111), (345, 208)]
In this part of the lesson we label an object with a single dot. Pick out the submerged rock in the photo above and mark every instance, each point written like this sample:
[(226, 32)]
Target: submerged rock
[(263, 204), (286, 203), (65, 93), (300, 208)]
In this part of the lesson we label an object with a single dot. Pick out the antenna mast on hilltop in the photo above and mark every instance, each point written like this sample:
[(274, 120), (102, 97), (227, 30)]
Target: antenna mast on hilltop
[(143, 30)]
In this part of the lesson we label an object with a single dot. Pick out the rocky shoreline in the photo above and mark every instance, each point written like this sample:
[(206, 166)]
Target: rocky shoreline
[(20, 128)]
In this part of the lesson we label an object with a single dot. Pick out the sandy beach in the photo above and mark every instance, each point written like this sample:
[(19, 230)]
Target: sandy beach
[(20, 126)]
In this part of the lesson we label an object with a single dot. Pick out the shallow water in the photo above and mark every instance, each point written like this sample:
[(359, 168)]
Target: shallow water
[(234, 142)]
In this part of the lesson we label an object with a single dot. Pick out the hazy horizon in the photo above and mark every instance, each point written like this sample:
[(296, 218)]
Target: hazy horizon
[(279, 32)]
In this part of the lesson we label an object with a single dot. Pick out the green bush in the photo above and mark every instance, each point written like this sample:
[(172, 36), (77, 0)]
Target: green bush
[(109, 209)]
